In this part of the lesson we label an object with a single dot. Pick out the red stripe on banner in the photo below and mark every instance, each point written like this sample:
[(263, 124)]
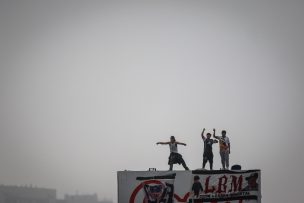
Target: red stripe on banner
[(140, 186), (184, 199)]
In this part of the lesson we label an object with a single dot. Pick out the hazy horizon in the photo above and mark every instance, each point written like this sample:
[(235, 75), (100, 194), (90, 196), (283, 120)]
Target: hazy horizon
[(88, 88)]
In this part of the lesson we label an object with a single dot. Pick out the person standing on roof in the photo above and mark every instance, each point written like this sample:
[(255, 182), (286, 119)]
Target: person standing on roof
[(175, 157), (224, 149), (208, 154)]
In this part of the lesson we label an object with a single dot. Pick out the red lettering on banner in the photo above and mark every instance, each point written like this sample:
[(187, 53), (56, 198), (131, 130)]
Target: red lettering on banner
[(236, 184), (207, 189), (222, 187)]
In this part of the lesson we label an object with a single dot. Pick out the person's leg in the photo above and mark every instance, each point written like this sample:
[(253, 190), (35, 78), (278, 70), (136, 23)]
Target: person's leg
[(204, 161), (227, 159), (184, 165), (211, 162), (222, 158), (179, 159), (170, 161)]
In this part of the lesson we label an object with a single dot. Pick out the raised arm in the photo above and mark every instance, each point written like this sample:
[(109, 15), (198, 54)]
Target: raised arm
[(215, 141), (203, 137), (216, 137)]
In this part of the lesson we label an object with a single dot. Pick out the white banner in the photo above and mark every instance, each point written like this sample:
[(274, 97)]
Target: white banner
[(225, 186), (189, 186)]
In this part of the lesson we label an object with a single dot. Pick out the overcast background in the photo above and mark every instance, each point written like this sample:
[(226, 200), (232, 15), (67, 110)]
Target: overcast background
[(88, 87)]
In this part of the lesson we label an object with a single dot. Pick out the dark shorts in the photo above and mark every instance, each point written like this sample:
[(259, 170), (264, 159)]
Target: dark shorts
[(175, 158), (208, 156)]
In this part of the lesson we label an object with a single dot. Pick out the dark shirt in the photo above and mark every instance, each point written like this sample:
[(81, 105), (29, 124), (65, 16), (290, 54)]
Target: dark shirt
[(208, 146), (196, 188)]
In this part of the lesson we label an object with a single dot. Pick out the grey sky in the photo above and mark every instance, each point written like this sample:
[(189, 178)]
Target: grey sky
[(88, 87)]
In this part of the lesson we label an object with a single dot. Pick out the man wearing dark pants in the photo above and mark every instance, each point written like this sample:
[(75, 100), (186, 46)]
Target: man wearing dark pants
[(175, 157)]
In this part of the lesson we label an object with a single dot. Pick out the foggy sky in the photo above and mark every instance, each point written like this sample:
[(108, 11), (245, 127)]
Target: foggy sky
[(88, 87)]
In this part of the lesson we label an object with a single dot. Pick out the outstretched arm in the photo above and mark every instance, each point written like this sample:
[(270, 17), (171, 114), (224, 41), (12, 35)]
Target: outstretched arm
[(181, 143), (203, 137), (162, 143)]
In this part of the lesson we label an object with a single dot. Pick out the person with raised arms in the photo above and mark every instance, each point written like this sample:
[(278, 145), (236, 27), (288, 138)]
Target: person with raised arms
[(208, 154)]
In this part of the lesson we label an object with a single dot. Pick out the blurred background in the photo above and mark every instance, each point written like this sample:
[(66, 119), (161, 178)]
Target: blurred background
[(87, 88)]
